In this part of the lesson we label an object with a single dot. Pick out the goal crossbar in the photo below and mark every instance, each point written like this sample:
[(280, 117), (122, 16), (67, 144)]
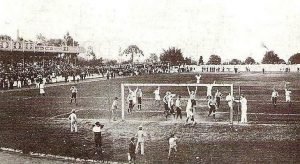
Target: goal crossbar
[(123, 85)]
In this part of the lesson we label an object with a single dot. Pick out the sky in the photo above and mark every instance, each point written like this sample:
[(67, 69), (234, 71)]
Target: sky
[(228, 28)]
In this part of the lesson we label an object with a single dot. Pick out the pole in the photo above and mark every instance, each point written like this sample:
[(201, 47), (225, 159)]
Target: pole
[(109, 103), (231, 108), (123, 103), (239, 103)]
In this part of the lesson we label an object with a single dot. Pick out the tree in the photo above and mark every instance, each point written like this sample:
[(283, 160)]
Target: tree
[(153, 58), (90, 53), (5, 37), (214, 60), (69, 41), (271, 58), (172, 55), (249, 60), (200, 61), (235, 62), (132, 50), (111, 62), (41, 38), (55, 42), (295, 59)]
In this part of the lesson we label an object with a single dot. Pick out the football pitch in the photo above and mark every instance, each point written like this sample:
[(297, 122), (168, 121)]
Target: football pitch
[(34, 123)]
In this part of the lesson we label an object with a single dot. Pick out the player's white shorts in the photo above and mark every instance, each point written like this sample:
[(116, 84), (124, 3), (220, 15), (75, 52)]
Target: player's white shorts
[(157, 97), (189, 114), (288, 98), (42, 91)]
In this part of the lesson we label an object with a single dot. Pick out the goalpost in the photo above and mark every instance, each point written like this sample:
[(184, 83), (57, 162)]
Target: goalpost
[(123, 85)]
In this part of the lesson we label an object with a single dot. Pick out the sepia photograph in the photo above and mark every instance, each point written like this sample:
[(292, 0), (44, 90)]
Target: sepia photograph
[(149, 81)]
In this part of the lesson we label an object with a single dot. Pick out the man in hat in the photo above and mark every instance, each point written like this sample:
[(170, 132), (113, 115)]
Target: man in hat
[(131, 151), (97, 129), (74, 91), (73, 121), (140, 140), (114, 108)]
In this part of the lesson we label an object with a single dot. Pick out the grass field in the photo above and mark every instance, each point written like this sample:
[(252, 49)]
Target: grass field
[(35, 123)]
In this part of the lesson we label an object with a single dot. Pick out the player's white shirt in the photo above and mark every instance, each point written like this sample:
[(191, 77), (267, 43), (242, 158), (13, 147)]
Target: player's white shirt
[(189, 113), (288, 95), (73, 90), (192, 96), (130, 97), (73, 117), (170, 100), (156, 94), (275, 94), (243, 104), (230, 100), (141, 136), (172, 142), (114, 104), (134, 96), (139, 94), (177, 103), (42, 86), (198, 78), (209, 88), (97, 129)]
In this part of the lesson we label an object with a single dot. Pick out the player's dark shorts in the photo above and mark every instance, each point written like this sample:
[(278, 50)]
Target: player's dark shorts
[(172, 111), (132, 156), (274, 100), (130, 103), (166, 107), (193, 102), (73, 95), (212, 108), (139, 100), (178, 110)]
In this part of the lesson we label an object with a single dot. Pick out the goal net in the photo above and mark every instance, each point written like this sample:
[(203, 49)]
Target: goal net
[(153, 109)]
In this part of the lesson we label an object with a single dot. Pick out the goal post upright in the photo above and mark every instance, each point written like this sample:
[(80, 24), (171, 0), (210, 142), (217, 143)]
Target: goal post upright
[(123, 101), (123, 85)]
